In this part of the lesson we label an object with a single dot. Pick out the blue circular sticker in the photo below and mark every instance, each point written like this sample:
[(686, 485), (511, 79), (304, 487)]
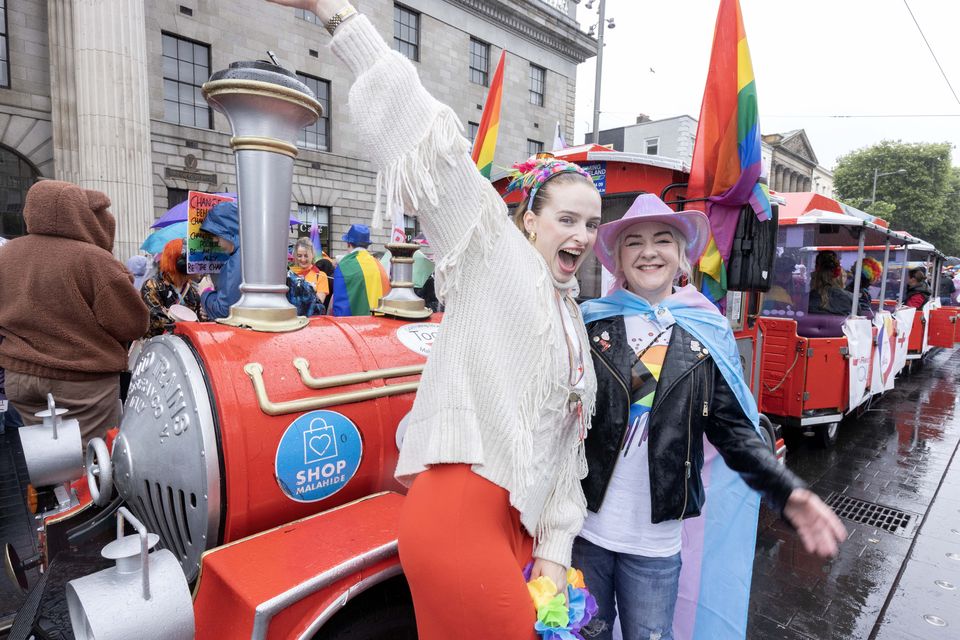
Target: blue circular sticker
[(317, 456)]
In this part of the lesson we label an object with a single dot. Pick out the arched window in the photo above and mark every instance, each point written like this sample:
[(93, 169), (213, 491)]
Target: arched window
[(16, 177)]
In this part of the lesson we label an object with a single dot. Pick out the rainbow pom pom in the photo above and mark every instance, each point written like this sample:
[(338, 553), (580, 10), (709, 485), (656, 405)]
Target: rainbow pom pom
[(559, 618)]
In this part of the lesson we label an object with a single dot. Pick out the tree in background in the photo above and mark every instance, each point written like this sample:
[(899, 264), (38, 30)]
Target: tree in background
[(924, 201)]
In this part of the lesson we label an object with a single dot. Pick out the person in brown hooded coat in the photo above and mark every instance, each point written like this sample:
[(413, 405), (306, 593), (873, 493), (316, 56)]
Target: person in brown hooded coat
[(67, 308)]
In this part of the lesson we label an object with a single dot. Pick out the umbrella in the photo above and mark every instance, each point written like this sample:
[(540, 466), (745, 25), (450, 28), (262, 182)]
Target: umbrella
[(157, 240), (178, 213)]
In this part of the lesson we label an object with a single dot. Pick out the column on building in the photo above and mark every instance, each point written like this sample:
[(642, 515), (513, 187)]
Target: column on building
[(778, 178), (102, 138)]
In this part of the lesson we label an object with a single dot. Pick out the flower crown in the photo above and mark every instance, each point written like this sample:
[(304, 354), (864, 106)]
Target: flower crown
[(529, 176)]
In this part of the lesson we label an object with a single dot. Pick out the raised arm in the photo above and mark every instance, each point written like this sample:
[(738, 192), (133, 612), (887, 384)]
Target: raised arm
[(415, 142)]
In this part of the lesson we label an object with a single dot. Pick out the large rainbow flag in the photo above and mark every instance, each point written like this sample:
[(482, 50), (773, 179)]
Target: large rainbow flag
[(486, 141), (726, 163), (359, 282)]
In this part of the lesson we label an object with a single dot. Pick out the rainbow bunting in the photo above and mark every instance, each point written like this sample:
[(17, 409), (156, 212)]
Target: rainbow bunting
[(726, 164), (486, 141)]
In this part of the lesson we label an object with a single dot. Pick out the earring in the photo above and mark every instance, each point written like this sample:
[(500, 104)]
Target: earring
[(532, 237)]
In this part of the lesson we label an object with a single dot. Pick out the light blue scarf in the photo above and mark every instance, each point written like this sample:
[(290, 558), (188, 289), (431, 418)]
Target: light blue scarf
[(692, 311)]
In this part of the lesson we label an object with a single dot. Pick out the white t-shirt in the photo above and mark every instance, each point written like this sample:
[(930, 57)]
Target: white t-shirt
[(623, 522)]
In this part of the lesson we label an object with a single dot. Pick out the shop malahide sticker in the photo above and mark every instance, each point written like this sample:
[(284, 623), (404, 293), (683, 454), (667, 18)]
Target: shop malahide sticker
[(318, 455)]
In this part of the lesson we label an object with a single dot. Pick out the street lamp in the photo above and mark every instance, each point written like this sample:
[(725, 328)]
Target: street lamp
[(877, 174), (598, 28)]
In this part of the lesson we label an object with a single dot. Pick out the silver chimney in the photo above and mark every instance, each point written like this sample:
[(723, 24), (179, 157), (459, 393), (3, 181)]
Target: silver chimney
[(267, 107)]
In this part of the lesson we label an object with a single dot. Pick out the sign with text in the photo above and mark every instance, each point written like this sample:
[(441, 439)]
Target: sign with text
[(204, 255), (597, 171)]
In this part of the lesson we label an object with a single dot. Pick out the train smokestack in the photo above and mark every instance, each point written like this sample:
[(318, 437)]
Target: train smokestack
[(267, 107)]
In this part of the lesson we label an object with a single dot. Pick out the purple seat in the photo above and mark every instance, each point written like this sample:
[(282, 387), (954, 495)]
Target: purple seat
[(820, 325)]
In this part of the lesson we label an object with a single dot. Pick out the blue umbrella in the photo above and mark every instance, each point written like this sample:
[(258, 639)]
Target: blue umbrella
[(178, 213), (157, 240)]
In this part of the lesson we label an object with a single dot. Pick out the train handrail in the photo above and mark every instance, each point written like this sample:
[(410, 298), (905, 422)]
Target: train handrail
[(303, 366)]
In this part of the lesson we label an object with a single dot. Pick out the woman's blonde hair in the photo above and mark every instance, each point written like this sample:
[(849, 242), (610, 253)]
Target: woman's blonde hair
[(305, 243), (825, 277), (678, 237), (543, 195)]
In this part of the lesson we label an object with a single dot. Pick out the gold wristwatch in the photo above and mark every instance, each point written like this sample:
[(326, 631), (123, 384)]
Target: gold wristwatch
[(340, 17)]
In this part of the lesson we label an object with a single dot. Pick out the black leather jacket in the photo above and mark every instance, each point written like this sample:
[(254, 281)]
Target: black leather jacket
[(692, 399)]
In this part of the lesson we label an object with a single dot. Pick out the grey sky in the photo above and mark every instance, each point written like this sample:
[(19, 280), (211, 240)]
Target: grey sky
[(811, 58)]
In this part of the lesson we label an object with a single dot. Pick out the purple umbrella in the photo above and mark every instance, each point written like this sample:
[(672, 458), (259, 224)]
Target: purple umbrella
[(178, 213)]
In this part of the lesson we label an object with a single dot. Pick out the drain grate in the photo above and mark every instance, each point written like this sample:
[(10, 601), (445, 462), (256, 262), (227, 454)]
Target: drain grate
[(896, 521)]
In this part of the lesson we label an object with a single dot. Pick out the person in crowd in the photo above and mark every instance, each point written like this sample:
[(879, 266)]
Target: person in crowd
[(948, 291), (424, 284), (493, 444), (327, 266), (304, 267), (169, 286), (780, 295), (139, 266), (65, 330), (918, 291), (668, 374), (827, 295), (223, 222), (359, 281), (870, 272)]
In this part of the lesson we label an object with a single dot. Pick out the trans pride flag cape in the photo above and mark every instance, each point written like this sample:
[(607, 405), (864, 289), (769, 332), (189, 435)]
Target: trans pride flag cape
[(718, 546), (358, 284), (726, 164)]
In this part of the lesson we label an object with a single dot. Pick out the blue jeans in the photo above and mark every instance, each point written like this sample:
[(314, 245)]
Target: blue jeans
[(642, 590)]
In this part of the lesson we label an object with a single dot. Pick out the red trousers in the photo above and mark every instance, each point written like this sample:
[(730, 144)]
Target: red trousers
[(463, 550)]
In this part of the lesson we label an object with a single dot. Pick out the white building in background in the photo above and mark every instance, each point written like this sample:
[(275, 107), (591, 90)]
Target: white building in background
[(788, 158)]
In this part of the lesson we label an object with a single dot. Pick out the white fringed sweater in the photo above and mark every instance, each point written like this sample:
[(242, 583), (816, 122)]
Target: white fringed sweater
[(494, 392)]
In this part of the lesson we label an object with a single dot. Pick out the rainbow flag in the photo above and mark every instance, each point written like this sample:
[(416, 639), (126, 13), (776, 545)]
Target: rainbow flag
[(486, 141), (358, 284), (726, 163)]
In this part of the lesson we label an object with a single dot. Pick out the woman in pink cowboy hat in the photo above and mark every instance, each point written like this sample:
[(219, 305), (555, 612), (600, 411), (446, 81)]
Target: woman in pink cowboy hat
[(668, 374)]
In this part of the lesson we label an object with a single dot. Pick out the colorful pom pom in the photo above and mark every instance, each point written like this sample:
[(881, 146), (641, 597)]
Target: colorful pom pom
[(560, 618), (529, 176)]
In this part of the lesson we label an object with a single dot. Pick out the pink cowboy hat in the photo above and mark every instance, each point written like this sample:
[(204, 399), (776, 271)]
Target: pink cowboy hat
[(693, 225)]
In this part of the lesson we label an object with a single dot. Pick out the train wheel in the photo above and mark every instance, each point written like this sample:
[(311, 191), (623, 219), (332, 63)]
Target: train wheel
[(825, 435), (384, 612)]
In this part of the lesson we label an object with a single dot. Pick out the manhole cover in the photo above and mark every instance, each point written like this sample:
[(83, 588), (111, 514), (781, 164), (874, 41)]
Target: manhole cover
[(896, 521)]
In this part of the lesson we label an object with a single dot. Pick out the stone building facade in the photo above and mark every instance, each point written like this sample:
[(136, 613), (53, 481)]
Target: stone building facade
[(105, 93)]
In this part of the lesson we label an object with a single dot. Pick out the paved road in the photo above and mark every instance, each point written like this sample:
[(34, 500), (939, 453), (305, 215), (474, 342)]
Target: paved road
[(883, 584)]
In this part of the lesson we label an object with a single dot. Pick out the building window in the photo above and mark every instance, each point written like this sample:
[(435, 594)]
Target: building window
[(411, 226), (314, 214), (472, 129), (406, 32), (479, 61), (538, 77), (4, 47), (534, 147), (17, 175), (176, 196), (317, 135), (309, 16), (186, 66), (651, 146)]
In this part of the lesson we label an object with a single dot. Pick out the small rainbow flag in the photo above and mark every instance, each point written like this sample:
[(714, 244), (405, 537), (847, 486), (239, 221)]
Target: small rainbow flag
[(359, 282), (726, 164), (486, 141)]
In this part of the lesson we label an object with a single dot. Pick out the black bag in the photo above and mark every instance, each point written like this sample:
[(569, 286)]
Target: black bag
[(750, 267)]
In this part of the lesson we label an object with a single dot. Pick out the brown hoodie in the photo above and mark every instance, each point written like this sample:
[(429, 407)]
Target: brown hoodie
[(66, 304)]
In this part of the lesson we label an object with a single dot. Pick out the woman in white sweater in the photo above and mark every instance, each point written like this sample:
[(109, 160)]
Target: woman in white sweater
[(493, 450)]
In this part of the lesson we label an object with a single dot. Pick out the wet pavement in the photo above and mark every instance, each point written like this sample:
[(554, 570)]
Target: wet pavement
[(888, 585)]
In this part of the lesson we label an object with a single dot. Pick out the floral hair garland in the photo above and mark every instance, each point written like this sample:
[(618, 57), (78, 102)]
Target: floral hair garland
[(529, 176), (871, 269), (558, 619)]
